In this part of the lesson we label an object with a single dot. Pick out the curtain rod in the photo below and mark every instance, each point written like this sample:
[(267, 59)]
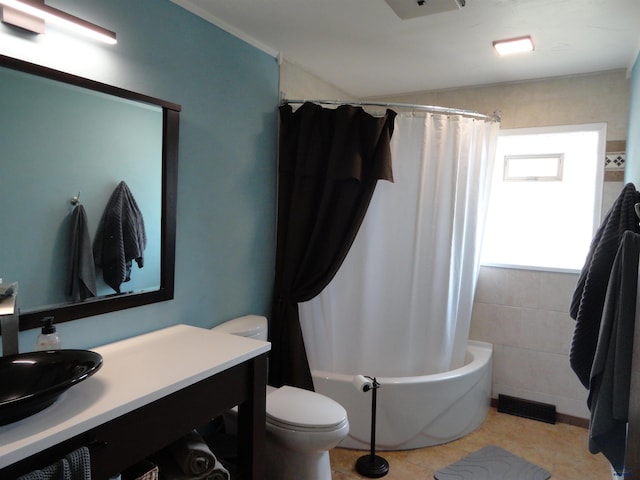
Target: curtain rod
[(495, 117)]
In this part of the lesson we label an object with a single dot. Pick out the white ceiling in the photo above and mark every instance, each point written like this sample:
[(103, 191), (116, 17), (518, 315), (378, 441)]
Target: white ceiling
[(365, 49)]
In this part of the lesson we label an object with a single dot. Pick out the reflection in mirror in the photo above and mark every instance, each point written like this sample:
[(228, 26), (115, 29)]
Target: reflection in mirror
[(62, 136)]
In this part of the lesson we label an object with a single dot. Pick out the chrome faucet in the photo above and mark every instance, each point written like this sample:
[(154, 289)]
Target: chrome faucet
[(9, 318)]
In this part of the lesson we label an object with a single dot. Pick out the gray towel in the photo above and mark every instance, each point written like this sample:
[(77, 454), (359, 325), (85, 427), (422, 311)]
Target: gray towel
[(190, 459), (192, 454), (121, 238), (611, 373), (75, 466), (81, 280), (588, 298), (169, 470)]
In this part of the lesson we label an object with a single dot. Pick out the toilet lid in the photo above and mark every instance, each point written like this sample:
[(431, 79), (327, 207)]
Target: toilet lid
[(247, 326), (302, 408)]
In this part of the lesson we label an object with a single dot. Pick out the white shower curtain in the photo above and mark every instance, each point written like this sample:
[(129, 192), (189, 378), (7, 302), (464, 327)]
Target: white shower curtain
[(401, 303)]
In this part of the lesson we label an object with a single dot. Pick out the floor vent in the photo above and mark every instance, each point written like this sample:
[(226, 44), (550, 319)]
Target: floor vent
[(527, 408)]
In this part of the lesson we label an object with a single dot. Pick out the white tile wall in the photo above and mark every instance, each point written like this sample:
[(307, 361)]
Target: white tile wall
[(597, 97), (298, 84), (524, 313)]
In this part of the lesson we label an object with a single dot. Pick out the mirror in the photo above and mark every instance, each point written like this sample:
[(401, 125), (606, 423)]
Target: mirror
[(63, 136)]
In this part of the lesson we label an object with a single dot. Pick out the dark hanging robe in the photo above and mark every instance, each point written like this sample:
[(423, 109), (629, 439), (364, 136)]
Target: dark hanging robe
[(587, 302), (330, 161), (120, 239), (81, 276)]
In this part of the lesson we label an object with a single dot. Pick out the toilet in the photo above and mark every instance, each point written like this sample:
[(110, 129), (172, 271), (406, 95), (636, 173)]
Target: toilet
[(302, 426)]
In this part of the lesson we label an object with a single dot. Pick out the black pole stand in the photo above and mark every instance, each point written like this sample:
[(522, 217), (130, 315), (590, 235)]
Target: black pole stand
[(372, 466)]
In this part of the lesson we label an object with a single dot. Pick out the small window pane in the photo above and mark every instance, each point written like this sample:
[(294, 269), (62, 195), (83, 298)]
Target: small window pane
[(533, 167)]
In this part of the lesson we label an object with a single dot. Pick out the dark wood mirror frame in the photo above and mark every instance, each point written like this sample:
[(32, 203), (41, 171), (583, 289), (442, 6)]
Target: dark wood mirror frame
[(171, 126)]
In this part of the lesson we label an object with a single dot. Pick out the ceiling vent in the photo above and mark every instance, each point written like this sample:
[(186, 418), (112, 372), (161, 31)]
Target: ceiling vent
[(419, 8)]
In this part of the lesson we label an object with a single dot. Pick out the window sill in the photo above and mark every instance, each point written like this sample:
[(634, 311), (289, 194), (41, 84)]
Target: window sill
[(531, 268)]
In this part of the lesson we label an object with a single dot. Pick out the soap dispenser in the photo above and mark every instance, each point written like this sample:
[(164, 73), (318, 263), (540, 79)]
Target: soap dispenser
[(48, 338)]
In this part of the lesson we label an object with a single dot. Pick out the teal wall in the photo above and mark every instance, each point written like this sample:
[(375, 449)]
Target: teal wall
[(632, 170), (227, 168)]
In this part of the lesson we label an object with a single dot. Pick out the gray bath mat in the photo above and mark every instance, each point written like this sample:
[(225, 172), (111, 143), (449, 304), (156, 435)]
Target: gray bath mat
[(492, 463)]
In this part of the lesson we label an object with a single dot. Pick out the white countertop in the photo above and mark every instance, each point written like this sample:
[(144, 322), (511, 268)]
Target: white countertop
[(135, 372)]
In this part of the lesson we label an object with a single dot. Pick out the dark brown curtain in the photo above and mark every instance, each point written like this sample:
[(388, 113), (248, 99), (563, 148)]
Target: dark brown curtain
[(330, 161)]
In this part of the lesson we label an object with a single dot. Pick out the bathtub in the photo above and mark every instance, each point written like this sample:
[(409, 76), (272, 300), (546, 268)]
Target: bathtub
[(415, 412)]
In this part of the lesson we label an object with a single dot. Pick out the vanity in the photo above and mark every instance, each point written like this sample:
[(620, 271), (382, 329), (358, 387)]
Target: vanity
[(151, 390)]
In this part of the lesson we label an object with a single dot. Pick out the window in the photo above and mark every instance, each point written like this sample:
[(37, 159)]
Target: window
[(544, 167), (545, 197)]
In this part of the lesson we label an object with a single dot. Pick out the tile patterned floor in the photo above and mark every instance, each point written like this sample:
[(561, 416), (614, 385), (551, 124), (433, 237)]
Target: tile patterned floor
[(561, 449)]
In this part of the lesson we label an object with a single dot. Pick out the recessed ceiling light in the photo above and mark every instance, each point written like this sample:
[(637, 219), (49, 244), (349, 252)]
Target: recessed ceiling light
[(513, 45)]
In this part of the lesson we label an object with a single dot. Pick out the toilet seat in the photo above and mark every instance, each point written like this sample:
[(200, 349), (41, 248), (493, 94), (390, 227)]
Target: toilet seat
[(302, 410)]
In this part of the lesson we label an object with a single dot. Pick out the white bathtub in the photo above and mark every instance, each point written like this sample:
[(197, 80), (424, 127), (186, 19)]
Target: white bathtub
[(415, 412)]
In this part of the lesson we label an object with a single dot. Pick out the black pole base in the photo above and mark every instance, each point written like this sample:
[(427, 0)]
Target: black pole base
[(372, 466)]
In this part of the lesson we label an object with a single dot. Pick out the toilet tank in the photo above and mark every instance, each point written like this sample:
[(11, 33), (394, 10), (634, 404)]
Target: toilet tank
[(251, 326)]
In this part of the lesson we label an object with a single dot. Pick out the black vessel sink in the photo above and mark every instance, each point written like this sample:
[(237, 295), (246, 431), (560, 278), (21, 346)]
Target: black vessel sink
[(30, 382)]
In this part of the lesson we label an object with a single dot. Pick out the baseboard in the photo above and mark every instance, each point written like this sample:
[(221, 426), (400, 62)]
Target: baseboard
[(560, 417), (571, 420)]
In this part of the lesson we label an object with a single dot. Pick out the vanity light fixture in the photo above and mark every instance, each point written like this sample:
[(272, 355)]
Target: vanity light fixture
[(31, 15), (513, 45)]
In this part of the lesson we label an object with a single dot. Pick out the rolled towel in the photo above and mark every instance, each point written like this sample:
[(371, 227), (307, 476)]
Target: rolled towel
[(218, 473), (192, 455), (169, 470)]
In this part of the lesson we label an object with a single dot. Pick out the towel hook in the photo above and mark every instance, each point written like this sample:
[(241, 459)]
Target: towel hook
[(75, 199)]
